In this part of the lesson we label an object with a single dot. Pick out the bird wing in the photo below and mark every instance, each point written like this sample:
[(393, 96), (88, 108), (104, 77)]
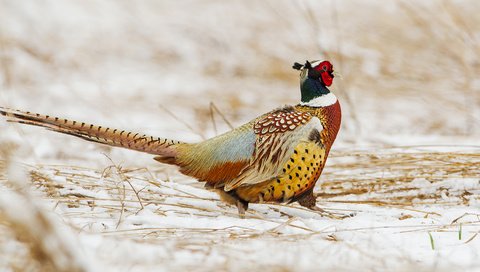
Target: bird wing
[(277, 135)]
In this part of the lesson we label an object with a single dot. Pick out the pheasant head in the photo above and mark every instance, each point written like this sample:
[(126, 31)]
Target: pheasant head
[(315, 77)]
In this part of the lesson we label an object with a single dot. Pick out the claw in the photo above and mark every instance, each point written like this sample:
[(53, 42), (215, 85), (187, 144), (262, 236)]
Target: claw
[(331, 215)]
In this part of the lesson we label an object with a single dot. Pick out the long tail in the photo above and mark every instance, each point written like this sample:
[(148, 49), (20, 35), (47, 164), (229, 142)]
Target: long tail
[(113, 137)]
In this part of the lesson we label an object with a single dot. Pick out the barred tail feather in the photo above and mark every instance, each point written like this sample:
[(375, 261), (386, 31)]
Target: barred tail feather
[(94, 133)]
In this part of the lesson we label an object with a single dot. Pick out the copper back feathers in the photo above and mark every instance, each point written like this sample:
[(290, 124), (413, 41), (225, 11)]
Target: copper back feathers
[(281, 121)]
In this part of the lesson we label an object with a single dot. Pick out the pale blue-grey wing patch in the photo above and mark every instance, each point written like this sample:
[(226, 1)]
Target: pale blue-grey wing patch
[(237, 147), (234, 146)]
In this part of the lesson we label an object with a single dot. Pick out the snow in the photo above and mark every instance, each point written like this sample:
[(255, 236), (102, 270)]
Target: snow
[(405, 163), (181, 225)]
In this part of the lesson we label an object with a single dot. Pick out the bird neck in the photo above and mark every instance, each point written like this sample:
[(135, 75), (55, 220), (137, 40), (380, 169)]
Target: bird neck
[(316, 94)]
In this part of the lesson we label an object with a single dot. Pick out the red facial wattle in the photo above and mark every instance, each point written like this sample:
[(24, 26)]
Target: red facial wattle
[(327, 78), (325, 68)]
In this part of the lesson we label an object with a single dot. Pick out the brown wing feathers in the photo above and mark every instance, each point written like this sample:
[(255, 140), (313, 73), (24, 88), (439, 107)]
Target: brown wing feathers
[(94, 133)]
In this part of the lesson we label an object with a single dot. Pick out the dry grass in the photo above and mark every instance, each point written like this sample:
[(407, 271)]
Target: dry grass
[(389, 176), (40, 244)]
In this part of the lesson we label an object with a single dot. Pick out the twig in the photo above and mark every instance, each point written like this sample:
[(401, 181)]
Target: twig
[(183, 122), (214, 107)]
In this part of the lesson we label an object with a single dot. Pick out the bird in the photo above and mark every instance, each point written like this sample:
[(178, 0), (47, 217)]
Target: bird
[(274, 158)]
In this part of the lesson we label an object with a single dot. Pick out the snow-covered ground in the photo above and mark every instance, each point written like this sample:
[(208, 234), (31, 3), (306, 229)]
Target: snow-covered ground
[(409, 211), (406, 163)]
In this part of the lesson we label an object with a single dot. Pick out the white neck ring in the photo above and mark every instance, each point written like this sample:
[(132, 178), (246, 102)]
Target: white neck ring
[(321, 101)]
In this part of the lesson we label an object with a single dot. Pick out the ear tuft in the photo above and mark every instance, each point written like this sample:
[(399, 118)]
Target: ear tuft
[(297, 66), (307, 65)]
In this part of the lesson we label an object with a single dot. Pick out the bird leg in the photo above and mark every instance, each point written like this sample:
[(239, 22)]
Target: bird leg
[(231, 199), (242, 206)]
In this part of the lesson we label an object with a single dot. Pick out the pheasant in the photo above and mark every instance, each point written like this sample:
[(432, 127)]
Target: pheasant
[(277, 157)]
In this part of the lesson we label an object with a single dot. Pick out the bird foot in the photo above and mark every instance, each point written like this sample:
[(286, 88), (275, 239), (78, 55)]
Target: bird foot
[(242, 207), (332, 215)]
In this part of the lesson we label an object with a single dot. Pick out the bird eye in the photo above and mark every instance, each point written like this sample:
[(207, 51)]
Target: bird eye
[(324, 68)]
